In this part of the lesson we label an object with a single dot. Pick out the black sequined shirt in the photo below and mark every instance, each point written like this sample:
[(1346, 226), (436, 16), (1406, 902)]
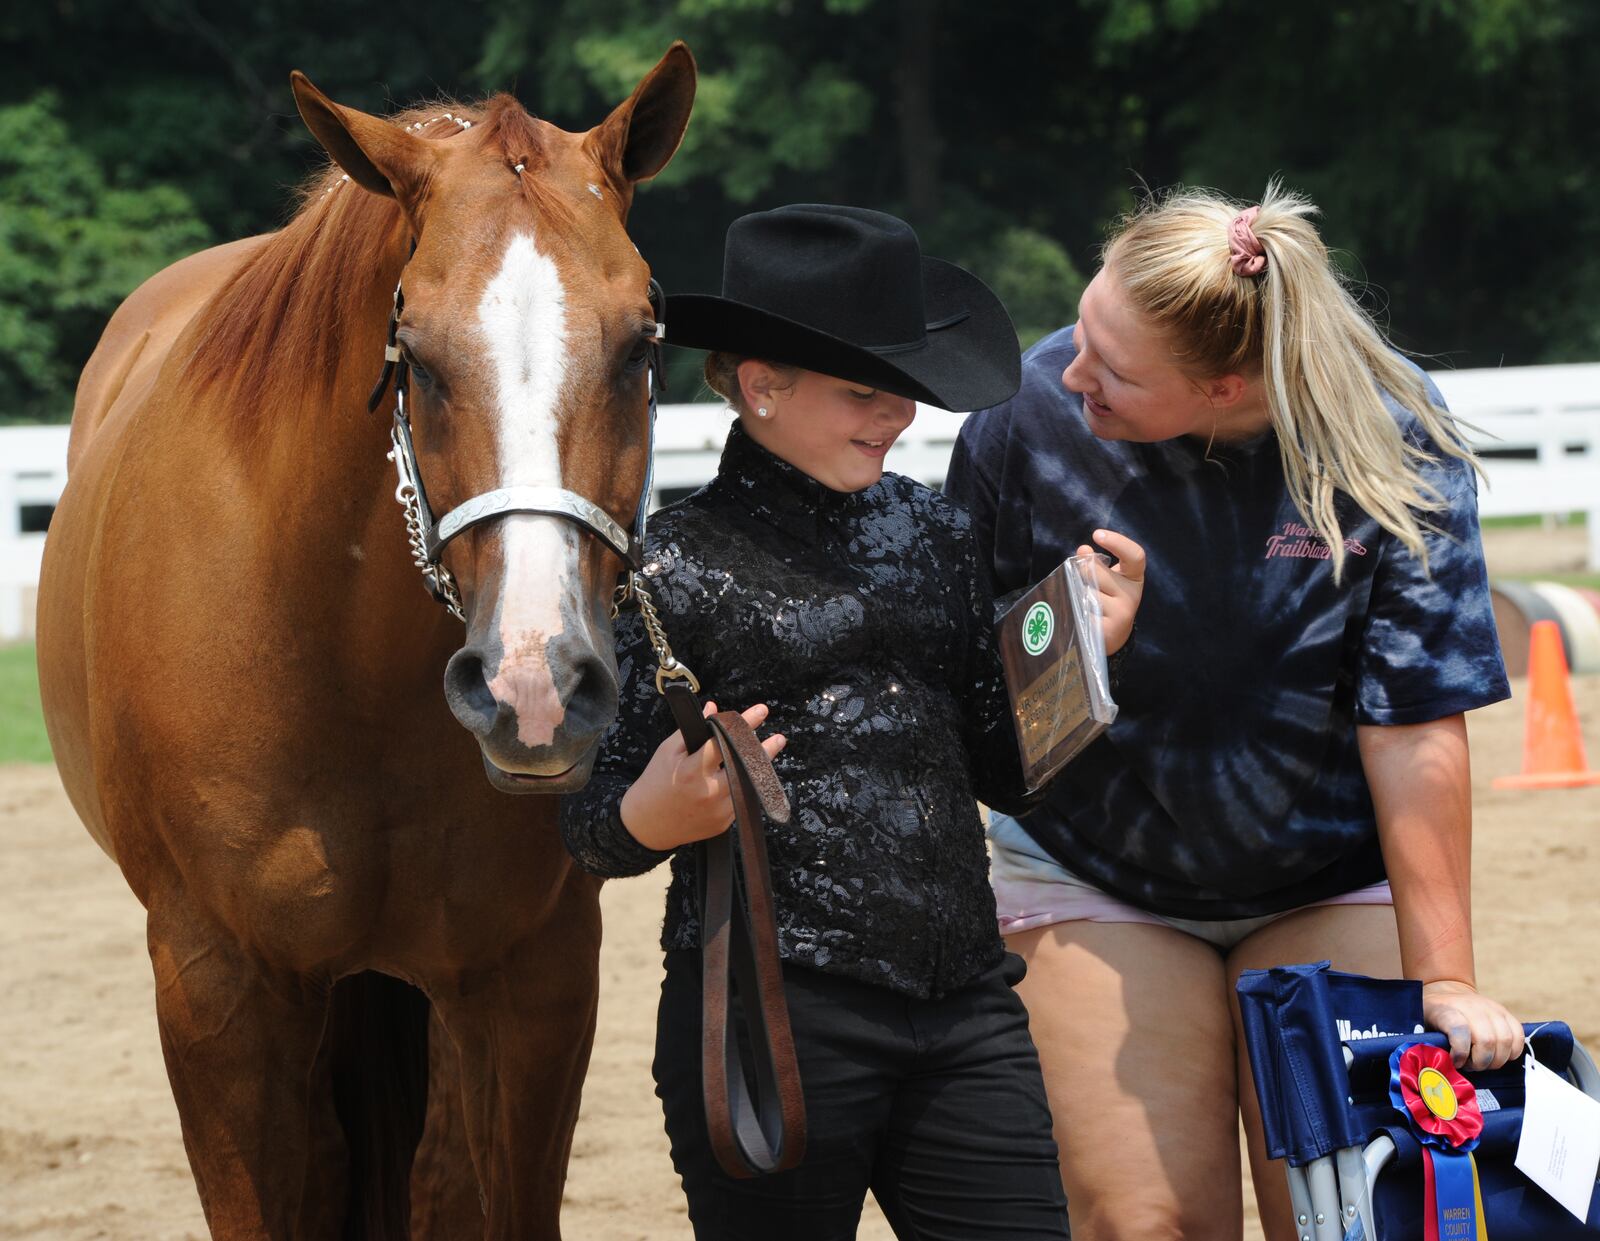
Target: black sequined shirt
[(862, 621)]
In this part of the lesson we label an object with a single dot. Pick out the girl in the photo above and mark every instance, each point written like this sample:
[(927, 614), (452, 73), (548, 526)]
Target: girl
[(847, 604), (1288, 778)]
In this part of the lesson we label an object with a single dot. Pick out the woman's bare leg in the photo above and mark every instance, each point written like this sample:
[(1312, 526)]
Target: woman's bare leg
[(1136, 1040), (1358, 938)]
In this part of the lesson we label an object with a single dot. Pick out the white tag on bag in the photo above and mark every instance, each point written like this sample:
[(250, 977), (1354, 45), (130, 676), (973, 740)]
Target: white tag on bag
[(1559, 1150)]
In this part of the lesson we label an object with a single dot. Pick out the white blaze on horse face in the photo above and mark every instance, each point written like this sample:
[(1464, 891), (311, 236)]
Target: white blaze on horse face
[(524, 321)]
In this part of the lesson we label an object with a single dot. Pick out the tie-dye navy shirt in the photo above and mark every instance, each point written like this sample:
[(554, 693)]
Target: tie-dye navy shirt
[(1230, 785)]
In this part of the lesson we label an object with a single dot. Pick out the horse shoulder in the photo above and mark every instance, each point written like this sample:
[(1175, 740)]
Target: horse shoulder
[(116, 383)]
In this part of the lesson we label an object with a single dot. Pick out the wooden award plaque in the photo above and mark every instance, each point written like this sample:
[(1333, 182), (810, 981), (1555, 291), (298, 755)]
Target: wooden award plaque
[(1058, 699)]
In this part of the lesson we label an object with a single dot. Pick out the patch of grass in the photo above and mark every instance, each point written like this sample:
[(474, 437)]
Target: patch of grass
[(1532, 519), (1589, 578), (22, 735)]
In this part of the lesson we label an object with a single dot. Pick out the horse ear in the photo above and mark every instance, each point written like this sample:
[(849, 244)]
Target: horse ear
[(642, 134), (378, 156)]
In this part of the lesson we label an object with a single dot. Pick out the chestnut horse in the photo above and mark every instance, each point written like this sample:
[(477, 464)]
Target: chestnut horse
[(241, 670)]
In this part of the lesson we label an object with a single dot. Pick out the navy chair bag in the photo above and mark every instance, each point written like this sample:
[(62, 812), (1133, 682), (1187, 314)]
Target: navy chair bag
[(1320, 1044)]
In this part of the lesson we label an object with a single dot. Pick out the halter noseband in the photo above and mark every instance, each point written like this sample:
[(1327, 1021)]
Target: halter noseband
[(428, 537)]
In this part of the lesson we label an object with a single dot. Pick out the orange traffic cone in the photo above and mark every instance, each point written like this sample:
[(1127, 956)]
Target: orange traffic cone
[(1552, 752)]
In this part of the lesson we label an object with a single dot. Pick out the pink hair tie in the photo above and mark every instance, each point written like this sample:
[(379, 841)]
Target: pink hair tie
[(1246, 254)]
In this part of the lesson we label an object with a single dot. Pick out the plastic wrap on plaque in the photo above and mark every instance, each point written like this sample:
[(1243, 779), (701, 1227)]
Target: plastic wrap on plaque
[(1054, 657)]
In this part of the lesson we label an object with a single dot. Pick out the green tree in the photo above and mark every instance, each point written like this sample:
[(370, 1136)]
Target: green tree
[(1446, 140), (835, 101), (72, 246)]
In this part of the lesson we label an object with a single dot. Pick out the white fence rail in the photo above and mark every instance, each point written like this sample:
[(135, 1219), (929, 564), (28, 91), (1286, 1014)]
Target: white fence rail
[(1550, 416), (1540, 423), (33, 470)]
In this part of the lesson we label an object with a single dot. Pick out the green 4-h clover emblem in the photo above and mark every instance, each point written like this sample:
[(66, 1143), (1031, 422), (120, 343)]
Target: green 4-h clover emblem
[(1038, 627)]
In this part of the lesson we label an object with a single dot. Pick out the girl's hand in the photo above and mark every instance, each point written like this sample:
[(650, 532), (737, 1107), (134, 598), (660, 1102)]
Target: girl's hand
[(1482, 1034), (680, 797), (1121, 586)]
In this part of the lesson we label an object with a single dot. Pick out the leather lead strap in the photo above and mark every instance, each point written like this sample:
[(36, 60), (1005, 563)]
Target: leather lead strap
[(751, 1134)]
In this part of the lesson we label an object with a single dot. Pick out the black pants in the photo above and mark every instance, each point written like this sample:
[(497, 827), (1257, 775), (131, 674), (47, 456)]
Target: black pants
[(937, 1106)]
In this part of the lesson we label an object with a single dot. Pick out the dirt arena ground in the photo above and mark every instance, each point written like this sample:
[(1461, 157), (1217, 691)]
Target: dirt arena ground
[(89, 1141)]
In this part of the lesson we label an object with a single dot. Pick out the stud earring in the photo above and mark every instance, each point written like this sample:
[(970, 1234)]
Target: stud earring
[(761, 412)]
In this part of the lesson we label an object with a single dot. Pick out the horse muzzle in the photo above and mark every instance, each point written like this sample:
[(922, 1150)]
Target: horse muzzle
[(538, 711)]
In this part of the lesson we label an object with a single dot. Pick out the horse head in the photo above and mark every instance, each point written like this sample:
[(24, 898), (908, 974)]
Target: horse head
[(527, 330)]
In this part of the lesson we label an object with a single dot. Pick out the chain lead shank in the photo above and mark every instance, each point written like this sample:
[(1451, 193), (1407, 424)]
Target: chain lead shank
[(667, 666)]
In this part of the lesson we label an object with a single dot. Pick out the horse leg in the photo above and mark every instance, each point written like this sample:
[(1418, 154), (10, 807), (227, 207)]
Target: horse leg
[(446, 1202), (241, 1042), (524, 1030), (324, 1202)]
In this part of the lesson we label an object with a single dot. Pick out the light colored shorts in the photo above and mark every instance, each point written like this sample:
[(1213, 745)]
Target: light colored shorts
[(1032, 889)]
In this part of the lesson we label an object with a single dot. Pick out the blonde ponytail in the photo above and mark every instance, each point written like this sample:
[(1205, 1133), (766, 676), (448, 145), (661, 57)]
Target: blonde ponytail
[(1323, 363)]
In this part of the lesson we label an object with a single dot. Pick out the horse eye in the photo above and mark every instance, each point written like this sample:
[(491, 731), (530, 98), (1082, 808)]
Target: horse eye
[(640, 352), (419, 372)]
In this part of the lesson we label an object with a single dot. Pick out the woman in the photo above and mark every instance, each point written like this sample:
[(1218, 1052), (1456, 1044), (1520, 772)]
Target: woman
[(846, 603), (1288, 779)]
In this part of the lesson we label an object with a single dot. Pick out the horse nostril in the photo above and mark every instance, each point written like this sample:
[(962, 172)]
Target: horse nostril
[(468, 693), (593, 704)]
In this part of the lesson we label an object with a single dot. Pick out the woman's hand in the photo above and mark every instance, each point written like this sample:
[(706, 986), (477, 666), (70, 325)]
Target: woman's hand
[(680, 797), (1121, 586), (1482, 1034)]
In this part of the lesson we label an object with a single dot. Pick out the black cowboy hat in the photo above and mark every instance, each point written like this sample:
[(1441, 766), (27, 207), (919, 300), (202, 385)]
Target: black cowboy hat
[(848, 292)]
